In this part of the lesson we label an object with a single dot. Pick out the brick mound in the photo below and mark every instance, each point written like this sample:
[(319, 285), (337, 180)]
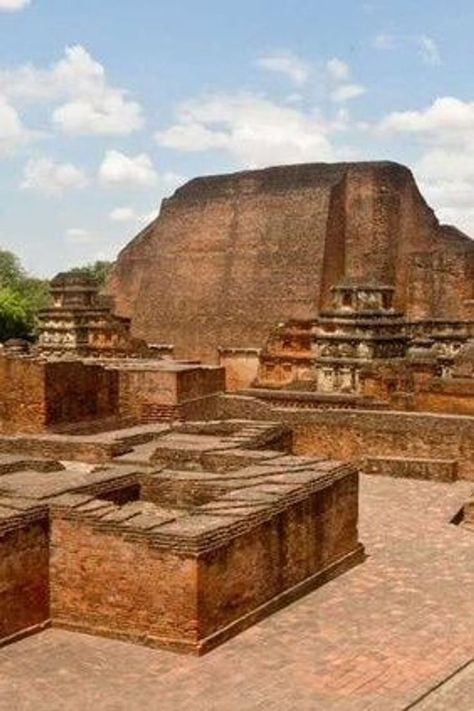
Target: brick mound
[(230, 256)]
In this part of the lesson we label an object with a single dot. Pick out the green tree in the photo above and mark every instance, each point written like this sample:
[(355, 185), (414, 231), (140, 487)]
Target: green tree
[(14, 317), (100, 270), (21, 298), (11, 271)]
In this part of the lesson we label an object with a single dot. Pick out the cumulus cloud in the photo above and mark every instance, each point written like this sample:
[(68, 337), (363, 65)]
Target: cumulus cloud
[(86, 103), (342, 90), (337, 69), (128, 215), (12, 131), (445, 168), (253, 130), (447, 117), (13, 5), (123, 214), (346, 92), (118, 169), (50, 177), (293, 67)]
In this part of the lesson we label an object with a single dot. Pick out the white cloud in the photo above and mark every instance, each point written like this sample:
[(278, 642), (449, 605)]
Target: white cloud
[(337, 69), (12, 132), (130, 215), (119, 169), (429, 51), (253, 130), (447, 118), (13, 5), (173, 180), (296, 69), (338, 73), (47, 176), (123, 214), (426, 46), (445, 168), (76, 235), (346, 92), (88, 105)]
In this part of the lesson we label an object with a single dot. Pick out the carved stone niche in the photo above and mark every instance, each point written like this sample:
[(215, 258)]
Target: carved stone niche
[(356, 298)]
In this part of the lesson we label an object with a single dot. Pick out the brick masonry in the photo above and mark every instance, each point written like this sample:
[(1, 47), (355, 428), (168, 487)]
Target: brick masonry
[(231, 256), (375, 639), (216, 528)]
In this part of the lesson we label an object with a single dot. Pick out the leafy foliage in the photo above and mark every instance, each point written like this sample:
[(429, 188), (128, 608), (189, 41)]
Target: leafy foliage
[(21, 297), (100, 270)]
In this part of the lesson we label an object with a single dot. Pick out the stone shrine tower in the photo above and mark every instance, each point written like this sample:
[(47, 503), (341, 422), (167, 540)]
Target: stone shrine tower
[(79, 322)]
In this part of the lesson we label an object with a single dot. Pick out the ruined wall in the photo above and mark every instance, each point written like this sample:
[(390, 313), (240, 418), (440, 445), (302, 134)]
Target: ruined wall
[(143, 391), (22, 395), (356, 435), (35, 395), (76, 392), (24, 576), (451, 395), (231, 256), (113, 581), (298, 544), (109, 583)]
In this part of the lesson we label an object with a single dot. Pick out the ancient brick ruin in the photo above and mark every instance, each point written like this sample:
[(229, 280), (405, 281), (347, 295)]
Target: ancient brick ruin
[(182, 459), (177, 539)]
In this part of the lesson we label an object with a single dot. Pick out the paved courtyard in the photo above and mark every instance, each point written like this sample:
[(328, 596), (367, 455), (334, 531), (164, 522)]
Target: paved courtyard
[(395, 633)]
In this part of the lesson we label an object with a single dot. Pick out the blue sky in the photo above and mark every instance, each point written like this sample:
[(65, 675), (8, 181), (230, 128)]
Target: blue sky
[(107, 106)]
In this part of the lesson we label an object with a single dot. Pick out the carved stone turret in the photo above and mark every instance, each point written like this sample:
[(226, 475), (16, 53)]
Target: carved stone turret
[(80, 321), (330, 351)]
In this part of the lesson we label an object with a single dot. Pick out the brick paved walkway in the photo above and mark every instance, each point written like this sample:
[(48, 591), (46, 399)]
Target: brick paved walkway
[(377, 638), (456, 693)]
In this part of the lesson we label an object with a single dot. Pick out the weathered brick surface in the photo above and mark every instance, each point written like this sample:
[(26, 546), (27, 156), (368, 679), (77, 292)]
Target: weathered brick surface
[(104, 583), (24, 572), (374, 639), (36, 394), (352, 436), (358, 434), (231, 256), (185, 558), (412, 468)]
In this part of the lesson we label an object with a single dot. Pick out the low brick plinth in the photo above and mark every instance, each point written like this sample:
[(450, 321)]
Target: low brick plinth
[(412, 468)]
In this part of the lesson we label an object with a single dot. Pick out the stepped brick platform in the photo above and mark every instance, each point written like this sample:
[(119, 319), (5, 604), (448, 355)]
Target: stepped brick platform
[(182, 541)]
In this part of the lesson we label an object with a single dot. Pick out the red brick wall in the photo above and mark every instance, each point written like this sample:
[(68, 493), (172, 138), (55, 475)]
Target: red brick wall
[(102, 582), (22, 395), (276, 556), (355, 435), (141, 388), (24, 586), (76, 392), (35, 395), (231, 256), (111, 583)]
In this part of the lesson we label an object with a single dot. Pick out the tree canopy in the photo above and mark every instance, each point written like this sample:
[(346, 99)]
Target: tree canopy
[(100, 270), (21, 298)]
